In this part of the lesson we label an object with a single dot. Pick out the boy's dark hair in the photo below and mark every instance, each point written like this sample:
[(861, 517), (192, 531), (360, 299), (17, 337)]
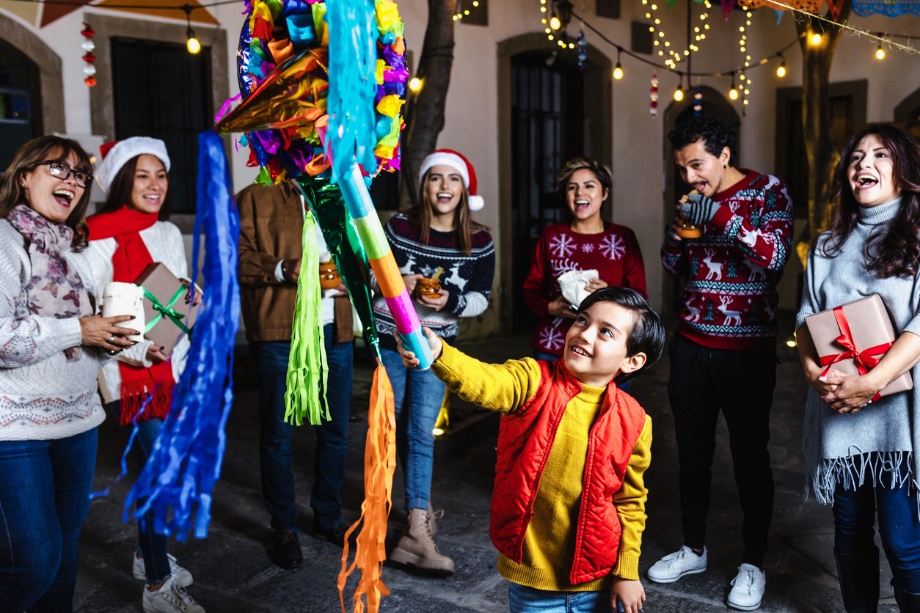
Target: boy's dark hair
[(647, 334), (715, 134)]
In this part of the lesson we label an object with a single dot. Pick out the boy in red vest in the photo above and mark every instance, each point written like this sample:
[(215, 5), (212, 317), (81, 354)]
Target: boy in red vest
[(568, 508)]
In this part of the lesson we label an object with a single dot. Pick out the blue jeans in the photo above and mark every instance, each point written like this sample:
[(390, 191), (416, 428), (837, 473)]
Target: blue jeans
[(539, 355), (416, 415), (899, 527), (275, 439), (151, 545), (523, 599), (44, 499)]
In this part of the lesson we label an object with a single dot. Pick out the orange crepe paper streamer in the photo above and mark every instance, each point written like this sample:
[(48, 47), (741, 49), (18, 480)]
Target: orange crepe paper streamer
[(379, 466), (388, 276), (281, 49)]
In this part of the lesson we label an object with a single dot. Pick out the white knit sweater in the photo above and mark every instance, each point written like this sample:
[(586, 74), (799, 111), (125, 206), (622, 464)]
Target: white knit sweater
[(164, 242), (42, 395)]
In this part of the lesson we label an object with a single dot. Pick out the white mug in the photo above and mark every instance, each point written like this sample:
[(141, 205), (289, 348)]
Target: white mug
[(125, 299)]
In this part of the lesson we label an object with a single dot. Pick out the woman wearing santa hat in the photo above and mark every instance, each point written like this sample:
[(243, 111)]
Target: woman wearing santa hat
[(127, 235), (436, 239)]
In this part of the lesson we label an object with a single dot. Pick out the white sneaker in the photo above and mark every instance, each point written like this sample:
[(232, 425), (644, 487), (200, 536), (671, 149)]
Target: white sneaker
[(182, 576), (170, 598), (749, 585), (675, 565)]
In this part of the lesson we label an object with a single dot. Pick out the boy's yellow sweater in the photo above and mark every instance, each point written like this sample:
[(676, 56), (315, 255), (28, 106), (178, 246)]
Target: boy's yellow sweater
[(549, 542)]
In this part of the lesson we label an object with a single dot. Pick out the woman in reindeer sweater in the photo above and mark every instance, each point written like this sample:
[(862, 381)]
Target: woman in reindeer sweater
[(126, 236), (438, 234)]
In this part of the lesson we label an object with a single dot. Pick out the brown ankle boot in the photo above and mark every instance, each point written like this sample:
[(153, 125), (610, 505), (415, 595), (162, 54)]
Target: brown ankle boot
[(416, 548), (433, 517)]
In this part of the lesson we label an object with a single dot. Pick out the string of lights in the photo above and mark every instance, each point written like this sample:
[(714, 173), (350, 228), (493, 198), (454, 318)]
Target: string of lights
[(461, 13)]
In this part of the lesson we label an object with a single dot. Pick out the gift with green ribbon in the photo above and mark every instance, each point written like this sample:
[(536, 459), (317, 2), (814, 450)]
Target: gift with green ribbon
[(168, 314)]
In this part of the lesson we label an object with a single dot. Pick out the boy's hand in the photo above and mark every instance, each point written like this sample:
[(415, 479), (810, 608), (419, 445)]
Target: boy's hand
[(629, 593), (408, 358)]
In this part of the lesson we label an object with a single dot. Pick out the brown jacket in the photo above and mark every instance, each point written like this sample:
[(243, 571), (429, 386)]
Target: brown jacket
[(271, 224)]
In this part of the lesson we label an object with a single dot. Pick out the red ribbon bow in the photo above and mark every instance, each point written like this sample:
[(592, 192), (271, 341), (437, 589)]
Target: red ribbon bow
[(865, 360)]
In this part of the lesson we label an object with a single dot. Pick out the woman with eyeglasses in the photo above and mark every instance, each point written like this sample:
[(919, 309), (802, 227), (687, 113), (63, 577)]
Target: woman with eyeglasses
[(129, 233), (51, 347)]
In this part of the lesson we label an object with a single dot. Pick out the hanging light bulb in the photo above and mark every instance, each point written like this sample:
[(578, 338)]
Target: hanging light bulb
[(733, 92), (816, 39), (679, 92), (415, 85), (192, 43), (781, 69), (880, 53), (554, 23), (618, 70)]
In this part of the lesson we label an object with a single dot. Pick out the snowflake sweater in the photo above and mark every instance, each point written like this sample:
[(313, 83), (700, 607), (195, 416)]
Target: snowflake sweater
[(468, 278), (732, 270), (613, 253)]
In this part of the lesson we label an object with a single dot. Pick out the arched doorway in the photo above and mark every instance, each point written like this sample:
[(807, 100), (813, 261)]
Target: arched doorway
[(907, 114), (549, 111), (715, 105)]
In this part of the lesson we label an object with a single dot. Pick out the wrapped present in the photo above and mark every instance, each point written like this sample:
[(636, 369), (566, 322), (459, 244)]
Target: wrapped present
[(169, 317), (852, 338)]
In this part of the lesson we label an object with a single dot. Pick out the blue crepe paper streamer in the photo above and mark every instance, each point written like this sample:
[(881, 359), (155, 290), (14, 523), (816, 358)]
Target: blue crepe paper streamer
[(180, 474), (352, 86)]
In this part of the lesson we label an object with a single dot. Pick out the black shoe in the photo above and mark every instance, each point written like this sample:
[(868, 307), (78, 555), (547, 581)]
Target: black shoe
[(336, 534), (286, 551)]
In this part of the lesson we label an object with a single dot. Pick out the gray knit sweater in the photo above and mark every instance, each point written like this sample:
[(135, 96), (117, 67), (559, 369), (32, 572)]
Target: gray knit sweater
[(850, 449), (42, 395)]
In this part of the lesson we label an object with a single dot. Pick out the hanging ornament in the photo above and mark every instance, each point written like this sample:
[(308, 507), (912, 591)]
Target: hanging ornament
[(89, 57), (582, 49), (698, 101), (653, 96)]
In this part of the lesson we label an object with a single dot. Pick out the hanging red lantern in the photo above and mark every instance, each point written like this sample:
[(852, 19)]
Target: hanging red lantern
[(89, 57)]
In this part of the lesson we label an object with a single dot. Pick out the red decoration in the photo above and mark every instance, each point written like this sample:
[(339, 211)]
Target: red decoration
[(89, 57)]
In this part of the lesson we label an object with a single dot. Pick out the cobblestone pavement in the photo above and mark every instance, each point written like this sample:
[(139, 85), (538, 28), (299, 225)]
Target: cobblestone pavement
[(234, 575)]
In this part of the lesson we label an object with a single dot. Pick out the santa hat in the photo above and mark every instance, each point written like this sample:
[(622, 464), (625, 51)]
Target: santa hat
[(116, 154), (454, 159)]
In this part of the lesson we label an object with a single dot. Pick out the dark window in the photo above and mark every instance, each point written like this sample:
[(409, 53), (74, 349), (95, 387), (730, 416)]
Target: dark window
[(547, 128), (848, 111), (163, 91), (475, 12), (18, 97)]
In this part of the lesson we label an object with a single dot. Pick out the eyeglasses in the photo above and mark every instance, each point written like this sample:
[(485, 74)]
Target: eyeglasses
[(60, 170)]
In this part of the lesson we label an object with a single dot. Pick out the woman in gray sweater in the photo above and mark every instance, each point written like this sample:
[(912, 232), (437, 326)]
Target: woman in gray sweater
[(861, 455), (51, 347)]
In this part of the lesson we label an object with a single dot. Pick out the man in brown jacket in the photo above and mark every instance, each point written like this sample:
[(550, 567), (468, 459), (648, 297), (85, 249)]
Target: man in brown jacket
[(271, 223)]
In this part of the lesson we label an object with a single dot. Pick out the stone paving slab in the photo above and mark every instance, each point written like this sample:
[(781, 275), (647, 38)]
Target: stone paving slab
[(234, 575)]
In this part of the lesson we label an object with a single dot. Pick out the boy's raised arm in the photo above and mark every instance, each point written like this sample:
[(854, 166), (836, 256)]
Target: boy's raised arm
[(496, 387), (630, 503)]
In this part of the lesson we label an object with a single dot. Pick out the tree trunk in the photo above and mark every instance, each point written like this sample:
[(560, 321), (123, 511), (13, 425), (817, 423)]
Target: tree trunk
[(816, 122), (425, 112)]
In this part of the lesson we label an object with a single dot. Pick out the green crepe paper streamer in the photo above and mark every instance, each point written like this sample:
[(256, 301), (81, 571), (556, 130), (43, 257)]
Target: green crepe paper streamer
[(307, 360), (328, 206)]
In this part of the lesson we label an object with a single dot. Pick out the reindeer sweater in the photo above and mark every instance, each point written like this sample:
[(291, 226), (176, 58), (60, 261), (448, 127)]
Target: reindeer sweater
[(467, 277), (613, 253), (730, 297)]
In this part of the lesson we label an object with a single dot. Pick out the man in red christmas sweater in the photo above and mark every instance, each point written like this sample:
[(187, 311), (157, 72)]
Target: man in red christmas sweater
[(723, 356)]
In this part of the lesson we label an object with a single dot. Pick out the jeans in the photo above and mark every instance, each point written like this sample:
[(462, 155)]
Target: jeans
[(416, 414), (898, 525), (44, 499), (277, 464), (151, 545), (522, 599), (740, 383)]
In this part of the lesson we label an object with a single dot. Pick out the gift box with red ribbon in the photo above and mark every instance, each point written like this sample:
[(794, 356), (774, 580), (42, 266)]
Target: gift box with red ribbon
[(169, 317), (853, 337)]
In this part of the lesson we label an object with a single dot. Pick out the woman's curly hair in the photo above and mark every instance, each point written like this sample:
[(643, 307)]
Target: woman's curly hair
[(896, 251)]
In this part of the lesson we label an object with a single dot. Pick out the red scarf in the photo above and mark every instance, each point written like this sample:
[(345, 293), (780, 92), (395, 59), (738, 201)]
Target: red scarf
[(130, 259)]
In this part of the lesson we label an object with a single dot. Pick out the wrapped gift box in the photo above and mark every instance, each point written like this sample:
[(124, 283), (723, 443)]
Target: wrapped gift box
[(170, 294), (854, 337)]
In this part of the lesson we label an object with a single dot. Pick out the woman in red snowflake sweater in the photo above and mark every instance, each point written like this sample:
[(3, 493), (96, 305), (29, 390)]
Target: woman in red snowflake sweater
[(587, 242)]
